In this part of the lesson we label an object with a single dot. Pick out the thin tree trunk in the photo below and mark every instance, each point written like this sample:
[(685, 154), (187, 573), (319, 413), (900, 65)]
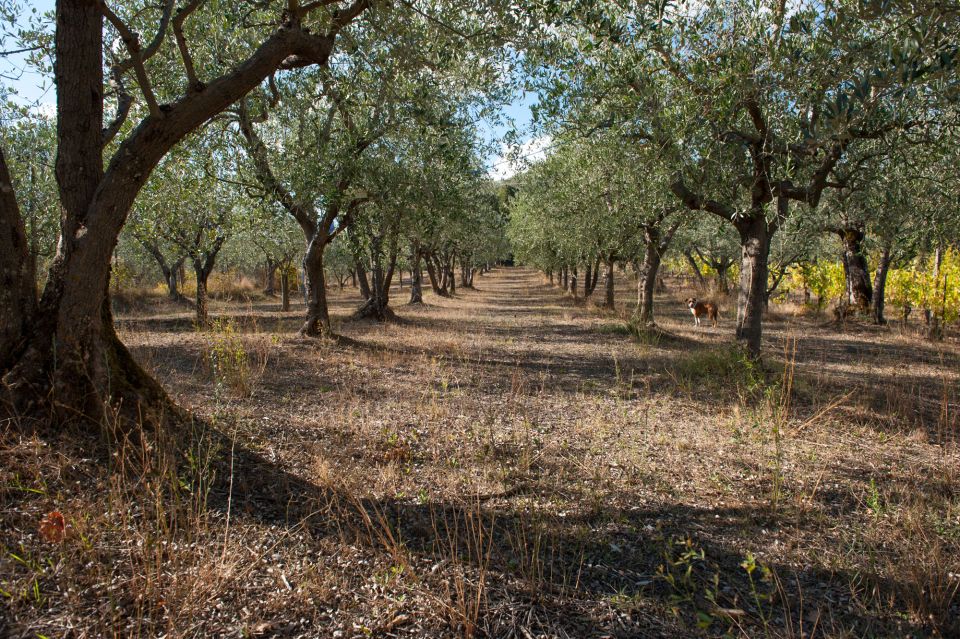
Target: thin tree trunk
[(778, 276), (937, 324), (364, 282), (594, 278), (692, 261), (170, 271), (451, 274), (723, 279), (655, 245), (285, 290), (928, 313), (173, 280), (435, 282), (416, 277), (466, 272), (202, 318), (755, 249), (388, 277), (646, 287), (609, 283), (880, 285)]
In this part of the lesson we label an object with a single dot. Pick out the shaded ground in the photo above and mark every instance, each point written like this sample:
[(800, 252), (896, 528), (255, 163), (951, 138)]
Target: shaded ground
[(507, 463)]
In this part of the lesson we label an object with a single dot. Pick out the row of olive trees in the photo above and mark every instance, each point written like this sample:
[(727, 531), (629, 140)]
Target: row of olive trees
[(422, 201), (595, 203), (759, 113), (133, 83), (592, 202)]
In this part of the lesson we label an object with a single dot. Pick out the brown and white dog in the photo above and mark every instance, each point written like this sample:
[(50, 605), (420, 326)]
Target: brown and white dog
[(699, 309)]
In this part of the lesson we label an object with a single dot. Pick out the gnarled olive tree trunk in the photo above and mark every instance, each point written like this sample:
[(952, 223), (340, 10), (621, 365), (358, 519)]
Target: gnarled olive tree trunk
[(646, 285), (755, 233), (609, 282), (592, 277), (450, 273), (722, 266), (362, 279), (434, 273), (656, 242), (269, 276), (859, 291), (203, 263), (173, 280), (416, 275), (317, 226), (318, 315), (378, 305)]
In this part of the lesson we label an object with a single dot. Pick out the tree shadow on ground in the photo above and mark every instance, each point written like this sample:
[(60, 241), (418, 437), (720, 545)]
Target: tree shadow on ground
[(644, 561)]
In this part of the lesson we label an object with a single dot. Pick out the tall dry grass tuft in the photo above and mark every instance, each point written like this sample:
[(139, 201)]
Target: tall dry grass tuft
[(235, 362), (142, 553), (464, 538)]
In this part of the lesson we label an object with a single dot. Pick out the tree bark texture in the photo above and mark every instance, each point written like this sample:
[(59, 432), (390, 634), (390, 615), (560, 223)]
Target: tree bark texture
[(318, 316), (270, 275), (609, 283), (859, 290), (285, 290), (880, 286), (377, 306), (416, 276), (755, 249)]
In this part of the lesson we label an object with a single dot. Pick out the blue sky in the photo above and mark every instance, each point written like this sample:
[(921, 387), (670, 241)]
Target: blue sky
[(37, 91), (31, 87), (517, 115)]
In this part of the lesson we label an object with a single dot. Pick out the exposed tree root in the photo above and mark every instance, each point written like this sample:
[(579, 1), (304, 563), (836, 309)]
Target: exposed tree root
[(372, 309)]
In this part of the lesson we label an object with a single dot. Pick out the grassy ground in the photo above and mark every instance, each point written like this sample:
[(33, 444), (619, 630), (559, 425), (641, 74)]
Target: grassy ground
[(505, 463)]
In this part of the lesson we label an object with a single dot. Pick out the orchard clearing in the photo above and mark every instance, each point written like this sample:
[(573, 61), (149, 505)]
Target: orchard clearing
[(506, 462)]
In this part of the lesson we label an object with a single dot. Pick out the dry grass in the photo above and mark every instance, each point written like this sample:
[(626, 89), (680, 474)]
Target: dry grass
[(503, 463)]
